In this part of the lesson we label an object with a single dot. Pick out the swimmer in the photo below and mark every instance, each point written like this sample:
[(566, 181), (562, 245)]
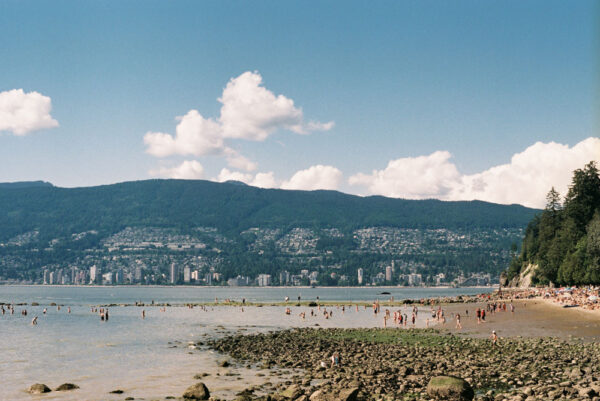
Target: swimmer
[(143, 314), (34, 321)]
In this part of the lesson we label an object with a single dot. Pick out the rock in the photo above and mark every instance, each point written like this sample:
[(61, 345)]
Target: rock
[(318, 396), (450, 388), (117, 391), (197, 392), (39, 388), (294, 391), (224, 363), (348, 394), (67, 387)]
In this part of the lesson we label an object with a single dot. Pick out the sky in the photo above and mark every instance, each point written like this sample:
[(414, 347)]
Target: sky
[(490, 100)]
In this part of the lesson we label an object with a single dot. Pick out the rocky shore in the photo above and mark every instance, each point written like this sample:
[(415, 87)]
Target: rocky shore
[(391, 364)]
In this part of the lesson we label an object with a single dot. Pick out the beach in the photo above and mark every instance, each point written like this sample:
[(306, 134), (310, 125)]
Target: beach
[(161, 353)]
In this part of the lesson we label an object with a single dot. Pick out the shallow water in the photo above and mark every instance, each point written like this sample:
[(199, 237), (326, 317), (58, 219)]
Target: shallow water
[(151, 357)]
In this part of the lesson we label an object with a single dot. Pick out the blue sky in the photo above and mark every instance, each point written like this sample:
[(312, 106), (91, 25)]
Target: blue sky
[(478, 81)]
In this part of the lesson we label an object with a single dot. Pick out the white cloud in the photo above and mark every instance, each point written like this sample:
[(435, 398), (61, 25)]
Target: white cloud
[(188, 170), (252, 112), (194, 135), (315, 177), (530, 174), (22, 113), (234, 159), (261, 180), (412, 177), (525, 180), (249, 111)]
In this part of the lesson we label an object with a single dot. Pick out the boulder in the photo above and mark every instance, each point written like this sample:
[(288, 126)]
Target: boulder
[(39, 388), (318, 396), (450, 388), (67, 387), (197, 392), (117, 391), (349, 394), (292, 392)]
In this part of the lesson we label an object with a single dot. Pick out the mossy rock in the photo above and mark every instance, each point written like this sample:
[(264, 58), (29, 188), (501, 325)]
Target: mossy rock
[(197, 392), (39, 388), (67, 387), (450, 388)]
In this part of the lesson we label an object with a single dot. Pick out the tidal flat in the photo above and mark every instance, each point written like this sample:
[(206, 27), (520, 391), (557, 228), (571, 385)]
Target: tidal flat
[(393, 364)]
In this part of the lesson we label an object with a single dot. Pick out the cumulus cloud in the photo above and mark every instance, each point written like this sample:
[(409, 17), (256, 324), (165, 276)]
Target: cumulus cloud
[(530, 174), (412, 177), (22, 113), (249, 111), (315, 177), (194, 135), (261, 180), (188, 170), (525, 180)]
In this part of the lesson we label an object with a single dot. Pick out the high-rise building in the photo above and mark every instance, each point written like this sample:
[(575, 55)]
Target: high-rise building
[(187, 274), (361, 276), (119, 277), (263, 280), (46, 276), (388, 273), (51, 278), (284, 277), (138, 274), (94, 274), (174, 279)]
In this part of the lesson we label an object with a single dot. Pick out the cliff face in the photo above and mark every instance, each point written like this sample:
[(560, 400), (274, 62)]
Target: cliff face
[(524, 279)]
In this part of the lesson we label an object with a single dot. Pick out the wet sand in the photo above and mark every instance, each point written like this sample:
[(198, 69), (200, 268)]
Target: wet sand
[(532, 318)]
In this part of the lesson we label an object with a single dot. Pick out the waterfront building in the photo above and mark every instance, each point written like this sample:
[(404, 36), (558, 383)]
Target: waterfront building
[(388, 273), (174, 279), (94, 274), (264, 280)]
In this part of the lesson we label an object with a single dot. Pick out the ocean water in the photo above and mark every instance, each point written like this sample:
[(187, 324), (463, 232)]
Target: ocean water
[(153, 357)]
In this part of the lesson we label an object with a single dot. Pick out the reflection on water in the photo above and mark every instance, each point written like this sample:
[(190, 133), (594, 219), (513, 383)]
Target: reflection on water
[(151, 356)]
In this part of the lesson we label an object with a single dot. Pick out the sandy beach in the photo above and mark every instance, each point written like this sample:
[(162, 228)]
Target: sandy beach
[(532, 318)]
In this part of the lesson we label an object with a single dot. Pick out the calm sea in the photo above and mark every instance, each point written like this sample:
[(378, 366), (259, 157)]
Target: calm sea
[(152, 356)]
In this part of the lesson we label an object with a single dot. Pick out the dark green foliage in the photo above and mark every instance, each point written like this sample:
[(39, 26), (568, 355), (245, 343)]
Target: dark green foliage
[(56, 212), (563, 241)]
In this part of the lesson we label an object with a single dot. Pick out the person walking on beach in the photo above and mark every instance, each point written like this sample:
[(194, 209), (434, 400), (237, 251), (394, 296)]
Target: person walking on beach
[(335, 359), (143, 313), (494, 338), (458, 325)]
